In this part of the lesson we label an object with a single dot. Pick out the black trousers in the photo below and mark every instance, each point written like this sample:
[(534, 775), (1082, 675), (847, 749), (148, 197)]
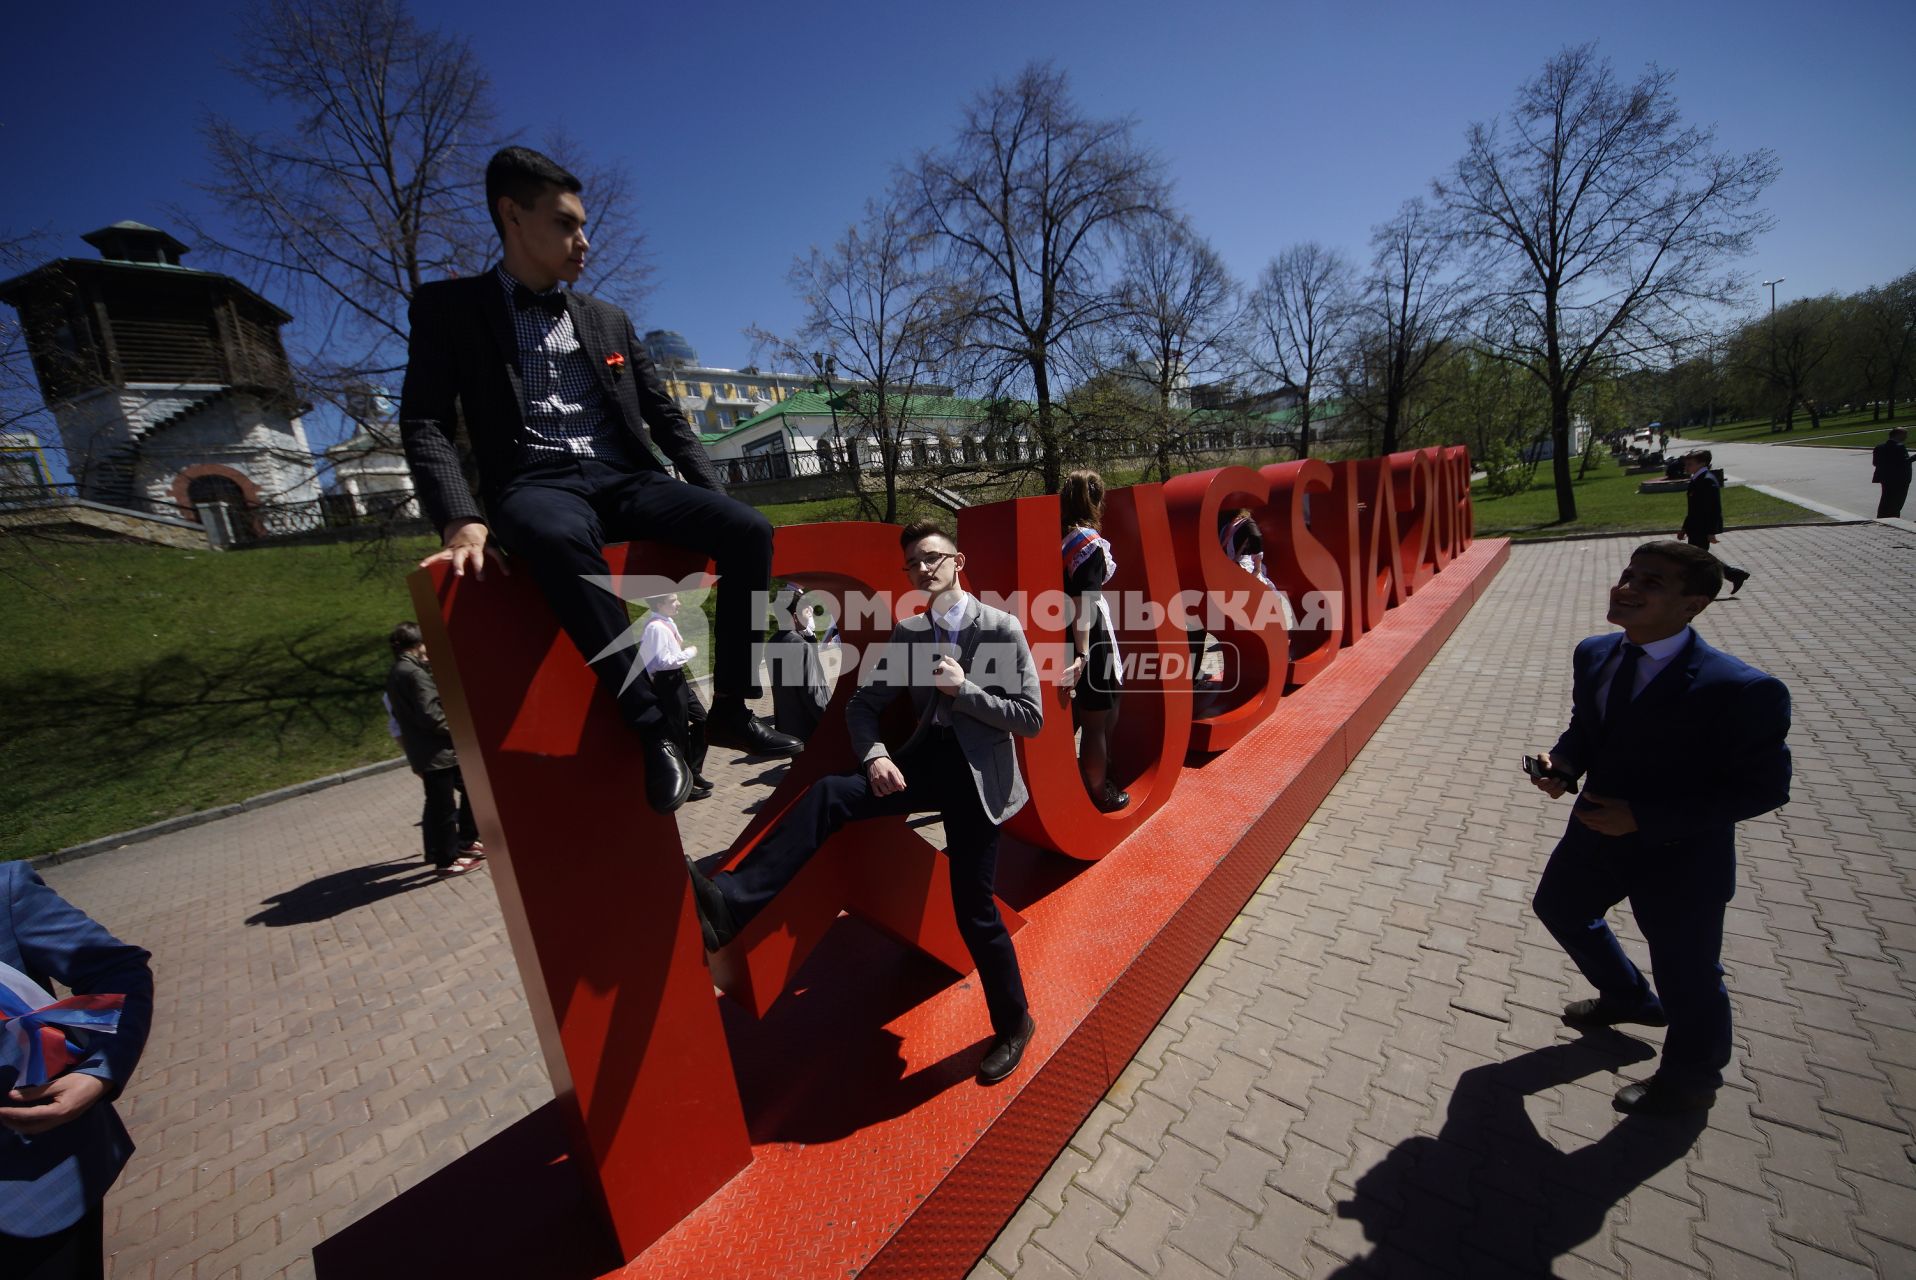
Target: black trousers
[(1701, 538), (447, 822), (556, 515), (73, 1253), (937, 780), (1679, 899), (1895, 493), (684, 715)]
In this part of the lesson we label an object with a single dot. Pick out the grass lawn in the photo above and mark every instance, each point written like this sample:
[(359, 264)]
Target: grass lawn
[(1840, 431), (1608, 502), (145, 682)]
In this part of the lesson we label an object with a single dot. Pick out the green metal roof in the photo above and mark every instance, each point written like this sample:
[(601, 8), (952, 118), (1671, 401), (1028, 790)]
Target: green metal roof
[(819, 404)]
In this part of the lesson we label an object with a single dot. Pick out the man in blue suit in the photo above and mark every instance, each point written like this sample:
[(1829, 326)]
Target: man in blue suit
[(1678, 742), (61, 1145)]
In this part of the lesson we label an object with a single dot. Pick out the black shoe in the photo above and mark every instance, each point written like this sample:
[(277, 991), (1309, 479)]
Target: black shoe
[(701, 787), (745, 732), (1005, 1053), (1655, 1098), (1736, 578), (1112, 800), (1602, 1013), (668, 779), (715, 917)]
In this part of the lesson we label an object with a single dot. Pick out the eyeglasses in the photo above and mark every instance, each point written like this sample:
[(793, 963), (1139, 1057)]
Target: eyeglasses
[(929, 562)]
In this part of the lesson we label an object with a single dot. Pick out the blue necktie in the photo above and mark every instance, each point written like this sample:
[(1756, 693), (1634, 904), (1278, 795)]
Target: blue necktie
[(1623, 685)]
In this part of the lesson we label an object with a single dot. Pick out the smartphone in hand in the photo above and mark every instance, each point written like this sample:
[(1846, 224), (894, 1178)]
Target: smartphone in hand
[(1537, 769)]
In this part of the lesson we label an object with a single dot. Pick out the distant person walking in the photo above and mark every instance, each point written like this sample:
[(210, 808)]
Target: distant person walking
[(1892, 473), (1703, 519), (446, 827)]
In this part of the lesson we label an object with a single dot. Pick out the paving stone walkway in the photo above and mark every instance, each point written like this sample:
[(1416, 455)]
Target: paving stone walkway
[(1367, 1076)]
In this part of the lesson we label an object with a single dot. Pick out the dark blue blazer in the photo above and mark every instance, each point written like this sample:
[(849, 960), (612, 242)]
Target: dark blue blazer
[(48, 1181), (1698, 751)]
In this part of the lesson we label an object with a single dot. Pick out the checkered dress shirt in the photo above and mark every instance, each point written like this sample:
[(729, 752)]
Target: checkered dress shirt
[(565, 410)]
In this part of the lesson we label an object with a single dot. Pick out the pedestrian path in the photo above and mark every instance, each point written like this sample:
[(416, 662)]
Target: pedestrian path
[(1367, 1075), (1831, 481)]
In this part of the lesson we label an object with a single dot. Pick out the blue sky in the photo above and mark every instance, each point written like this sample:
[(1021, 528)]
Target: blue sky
[(753, 130)]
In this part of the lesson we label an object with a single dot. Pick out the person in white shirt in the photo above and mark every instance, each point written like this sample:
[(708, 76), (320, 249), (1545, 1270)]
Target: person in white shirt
[(664, 655)]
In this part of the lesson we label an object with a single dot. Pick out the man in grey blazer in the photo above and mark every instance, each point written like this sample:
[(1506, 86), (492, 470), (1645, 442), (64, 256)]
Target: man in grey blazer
[(973, 685)]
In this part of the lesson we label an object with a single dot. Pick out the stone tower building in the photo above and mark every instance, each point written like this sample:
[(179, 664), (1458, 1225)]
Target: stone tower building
[(169, 385)]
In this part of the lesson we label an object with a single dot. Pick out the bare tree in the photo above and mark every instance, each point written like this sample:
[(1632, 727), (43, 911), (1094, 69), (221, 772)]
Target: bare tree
[(1600, 221), (1883, 332), (1789, 351), (377, 189), (1025, 206), (1408, 308), (21, 405), (1174, 328), (1298, 322), (877, 313)]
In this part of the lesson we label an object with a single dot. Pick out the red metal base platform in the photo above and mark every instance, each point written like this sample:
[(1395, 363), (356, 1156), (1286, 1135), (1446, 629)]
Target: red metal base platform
[(874, 1150)]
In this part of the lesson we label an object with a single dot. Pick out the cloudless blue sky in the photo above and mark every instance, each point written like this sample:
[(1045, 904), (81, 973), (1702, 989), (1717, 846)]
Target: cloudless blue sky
[(753, 130)]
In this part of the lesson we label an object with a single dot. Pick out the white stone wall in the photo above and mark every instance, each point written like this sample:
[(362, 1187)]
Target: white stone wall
[(237, 431)]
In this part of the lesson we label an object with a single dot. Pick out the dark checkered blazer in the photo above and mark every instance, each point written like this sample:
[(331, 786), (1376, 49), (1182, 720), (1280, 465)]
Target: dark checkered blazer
[(463, 366)]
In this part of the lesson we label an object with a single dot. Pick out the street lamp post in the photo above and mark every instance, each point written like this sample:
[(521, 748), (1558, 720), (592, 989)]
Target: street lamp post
[(1771, 286)]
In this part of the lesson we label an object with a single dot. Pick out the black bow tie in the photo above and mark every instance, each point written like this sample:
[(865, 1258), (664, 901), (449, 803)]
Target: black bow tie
[(553, 303)]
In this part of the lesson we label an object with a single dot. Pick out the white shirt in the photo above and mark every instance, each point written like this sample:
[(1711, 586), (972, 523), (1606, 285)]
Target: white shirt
[(944, 633), (661, 647), (1656, 656)]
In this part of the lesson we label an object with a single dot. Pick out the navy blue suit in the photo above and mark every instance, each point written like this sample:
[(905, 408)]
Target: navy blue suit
[(49, 1182), (1698, 750)]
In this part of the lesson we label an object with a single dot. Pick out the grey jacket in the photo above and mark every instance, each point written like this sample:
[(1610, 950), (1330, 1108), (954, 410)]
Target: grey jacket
[(1000, 698), (423, 733)]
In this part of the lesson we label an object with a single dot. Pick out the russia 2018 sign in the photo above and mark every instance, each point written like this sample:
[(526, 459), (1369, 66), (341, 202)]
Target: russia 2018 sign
[(669, 1097)]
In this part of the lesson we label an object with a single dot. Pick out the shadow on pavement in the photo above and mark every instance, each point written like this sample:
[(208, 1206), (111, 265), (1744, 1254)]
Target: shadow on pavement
[(1489, 1194), (513, 1207), (342, 891)]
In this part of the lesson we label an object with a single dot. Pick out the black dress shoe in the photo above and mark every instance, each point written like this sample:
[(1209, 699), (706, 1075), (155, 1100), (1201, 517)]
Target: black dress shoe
[(701, 787), (1603, 1013), (1736, 578), (715, 916), (668, 779), (1005, 1053), (1655, 1098), (747, 733), (1112, 799)]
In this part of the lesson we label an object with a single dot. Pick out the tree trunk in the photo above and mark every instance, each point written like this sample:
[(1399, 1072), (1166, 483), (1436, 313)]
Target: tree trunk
[(1560, 456), (1051, 469)]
